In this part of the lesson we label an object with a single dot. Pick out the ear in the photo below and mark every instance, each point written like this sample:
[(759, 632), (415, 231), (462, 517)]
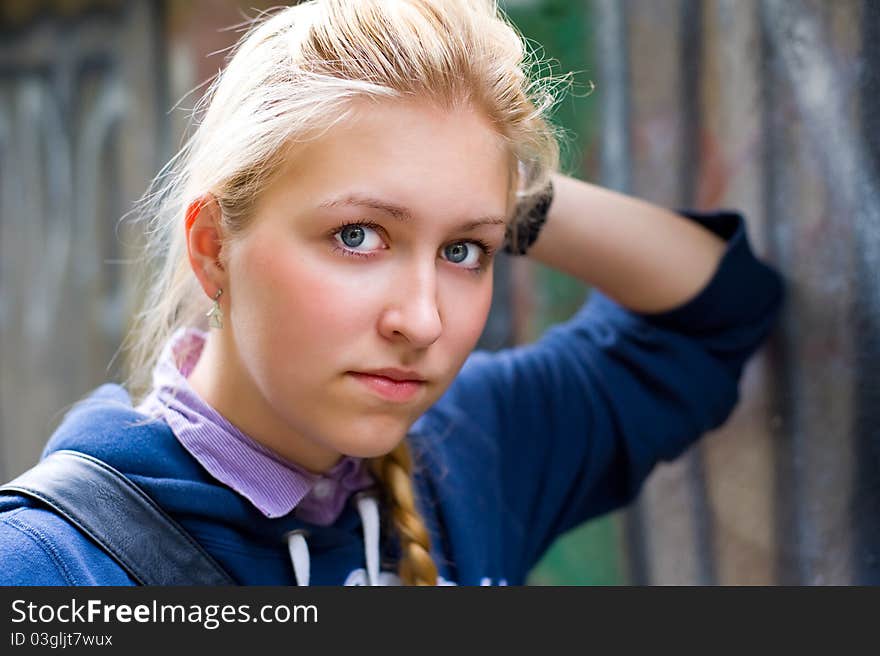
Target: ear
[(204, 241)]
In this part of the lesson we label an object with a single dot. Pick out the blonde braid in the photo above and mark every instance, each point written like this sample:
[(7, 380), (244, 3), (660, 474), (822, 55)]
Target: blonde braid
[(394, 473)]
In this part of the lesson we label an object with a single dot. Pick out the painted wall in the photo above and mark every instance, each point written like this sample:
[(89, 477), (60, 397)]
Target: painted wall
[(771, 107)]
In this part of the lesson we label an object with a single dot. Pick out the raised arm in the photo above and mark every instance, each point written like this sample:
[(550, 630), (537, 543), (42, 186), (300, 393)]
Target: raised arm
[(645, 257)]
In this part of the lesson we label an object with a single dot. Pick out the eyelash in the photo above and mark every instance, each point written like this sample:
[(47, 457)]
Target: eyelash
[(485, 247)]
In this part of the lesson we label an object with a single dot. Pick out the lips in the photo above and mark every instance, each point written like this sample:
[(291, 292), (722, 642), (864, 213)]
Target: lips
[(394, 373), (390, 389)]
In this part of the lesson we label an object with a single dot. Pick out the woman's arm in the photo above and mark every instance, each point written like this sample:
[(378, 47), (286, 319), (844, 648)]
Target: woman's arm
[(645, 257)]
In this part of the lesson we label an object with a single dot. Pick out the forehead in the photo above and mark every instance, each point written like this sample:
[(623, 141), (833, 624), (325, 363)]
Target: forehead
[(415, 154)]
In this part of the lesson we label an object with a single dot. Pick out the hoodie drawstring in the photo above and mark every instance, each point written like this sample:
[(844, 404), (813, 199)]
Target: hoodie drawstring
[(369, 512), (368, 508), (299, 556)]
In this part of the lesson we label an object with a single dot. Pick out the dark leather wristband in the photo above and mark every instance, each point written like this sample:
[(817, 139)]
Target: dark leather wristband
[(530, 217)]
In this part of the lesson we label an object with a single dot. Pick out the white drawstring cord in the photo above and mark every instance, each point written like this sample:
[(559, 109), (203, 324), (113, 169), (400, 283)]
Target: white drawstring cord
[(368, 508), (299, 556)]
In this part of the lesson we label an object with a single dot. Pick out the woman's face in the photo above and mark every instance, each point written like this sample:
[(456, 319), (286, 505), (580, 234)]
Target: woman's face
[(406, 285)]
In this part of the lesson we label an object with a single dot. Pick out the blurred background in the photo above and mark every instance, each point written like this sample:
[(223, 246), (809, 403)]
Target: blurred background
[(767, 106)]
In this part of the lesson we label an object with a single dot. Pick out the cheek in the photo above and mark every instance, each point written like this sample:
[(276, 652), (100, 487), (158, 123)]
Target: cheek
[(292, 305), (465, 318)]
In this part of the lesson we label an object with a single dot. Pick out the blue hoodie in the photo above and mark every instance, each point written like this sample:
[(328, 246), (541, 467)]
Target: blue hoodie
[(526, 444)]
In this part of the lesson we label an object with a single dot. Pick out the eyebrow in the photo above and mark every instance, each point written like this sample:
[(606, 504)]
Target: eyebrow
[(399, 212)]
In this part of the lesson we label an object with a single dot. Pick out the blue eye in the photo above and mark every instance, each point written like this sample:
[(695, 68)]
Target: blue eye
[(458, 253), (354, 235)]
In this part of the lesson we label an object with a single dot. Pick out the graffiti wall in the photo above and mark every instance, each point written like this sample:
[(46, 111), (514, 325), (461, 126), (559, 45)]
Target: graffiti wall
[(771, 107)]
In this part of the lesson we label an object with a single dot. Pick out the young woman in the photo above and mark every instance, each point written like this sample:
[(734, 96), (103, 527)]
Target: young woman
[(305, 402)]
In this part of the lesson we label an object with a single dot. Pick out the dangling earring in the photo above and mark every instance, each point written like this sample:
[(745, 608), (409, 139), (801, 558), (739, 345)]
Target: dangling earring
[(215, 314)]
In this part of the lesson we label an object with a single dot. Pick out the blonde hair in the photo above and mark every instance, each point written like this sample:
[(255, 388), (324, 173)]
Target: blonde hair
[(293, 75)]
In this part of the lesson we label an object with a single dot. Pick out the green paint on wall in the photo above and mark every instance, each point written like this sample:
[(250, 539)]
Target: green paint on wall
[(588, 555)]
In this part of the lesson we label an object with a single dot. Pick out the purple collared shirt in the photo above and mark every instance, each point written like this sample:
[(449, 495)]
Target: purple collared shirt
[(275, 486)]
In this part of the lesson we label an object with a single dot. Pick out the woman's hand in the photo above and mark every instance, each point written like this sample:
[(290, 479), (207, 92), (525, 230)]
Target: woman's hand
[(647, 258)]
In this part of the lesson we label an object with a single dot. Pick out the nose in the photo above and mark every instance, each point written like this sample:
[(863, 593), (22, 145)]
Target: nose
[(413, 314)]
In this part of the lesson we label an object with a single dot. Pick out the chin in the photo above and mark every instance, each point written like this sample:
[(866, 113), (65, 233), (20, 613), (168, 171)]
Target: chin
[(371, 449), (371, 441)]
